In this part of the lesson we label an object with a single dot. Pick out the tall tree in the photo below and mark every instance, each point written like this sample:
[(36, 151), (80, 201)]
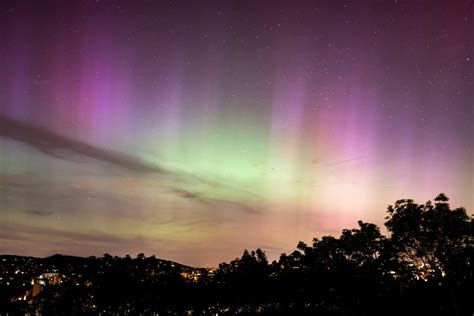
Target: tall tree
[(430, 239)]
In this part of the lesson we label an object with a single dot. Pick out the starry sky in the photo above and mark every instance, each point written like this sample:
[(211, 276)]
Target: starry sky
[(194, 129)]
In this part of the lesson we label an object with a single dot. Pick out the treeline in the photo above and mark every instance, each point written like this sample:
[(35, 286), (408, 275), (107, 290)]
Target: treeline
[(424, 266)]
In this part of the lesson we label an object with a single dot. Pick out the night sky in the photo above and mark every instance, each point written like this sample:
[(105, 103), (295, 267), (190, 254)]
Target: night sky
[(192, 130)]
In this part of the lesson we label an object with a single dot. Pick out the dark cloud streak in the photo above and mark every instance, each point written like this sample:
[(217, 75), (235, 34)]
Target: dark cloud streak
[(63, 147), (39, 213)]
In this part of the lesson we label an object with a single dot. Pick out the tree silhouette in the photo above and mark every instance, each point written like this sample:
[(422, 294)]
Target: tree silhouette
[(429, 239), (434, 244)]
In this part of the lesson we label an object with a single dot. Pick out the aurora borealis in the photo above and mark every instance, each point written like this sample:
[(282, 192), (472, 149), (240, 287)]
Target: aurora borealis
[(194, 129)]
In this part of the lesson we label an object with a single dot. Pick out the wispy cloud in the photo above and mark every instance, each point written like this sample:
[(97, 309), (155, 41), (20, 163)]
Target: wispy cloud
[(39, 212), (63, 147), (215, 202), (21, 232)]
